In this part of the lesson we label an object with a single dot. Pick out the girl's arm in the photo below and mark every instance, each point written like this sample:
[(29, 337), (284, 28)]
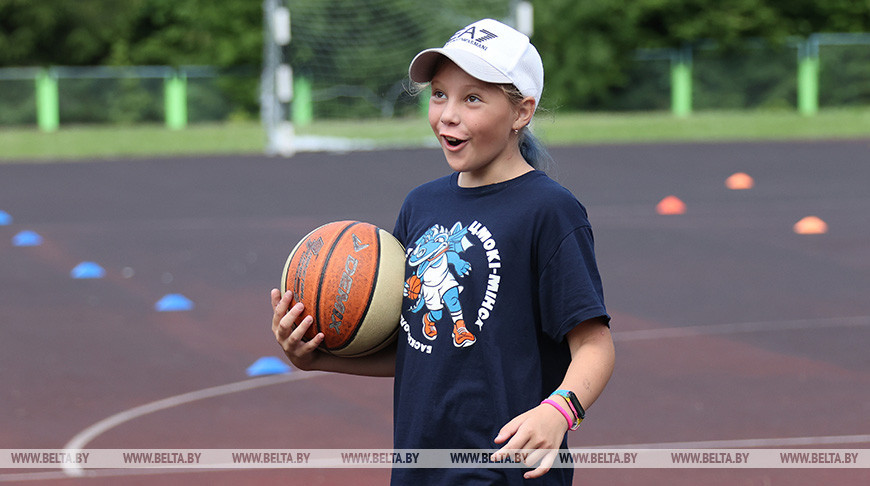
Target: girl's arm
[(305, 356), (542, 428)]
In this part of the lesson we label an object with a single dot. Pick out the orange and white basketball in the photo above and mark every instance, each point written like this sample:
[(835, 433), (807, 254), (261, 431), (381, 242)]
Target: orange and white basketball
[(349, 275)]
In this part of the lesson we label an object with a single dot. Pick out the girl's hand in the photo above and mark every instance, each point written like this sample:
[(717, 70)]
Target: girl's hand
[(302, 354), (538, 432)]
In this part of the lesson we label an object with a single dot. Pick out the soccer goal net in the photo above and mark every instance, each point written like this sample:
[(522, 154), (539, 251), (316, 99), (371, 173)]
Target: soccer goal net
[(349, 58)]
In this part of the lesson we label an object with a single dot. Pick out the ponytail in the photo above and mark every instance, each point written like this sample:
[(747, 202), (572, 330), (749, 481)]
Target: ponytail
[(534, 151), (530, 147)]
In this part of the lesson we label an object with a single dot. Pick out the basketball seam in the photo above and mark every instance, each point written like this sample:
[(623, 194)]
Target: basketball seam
[(371, 294), (376, 347), (284, 277), (323, 276)]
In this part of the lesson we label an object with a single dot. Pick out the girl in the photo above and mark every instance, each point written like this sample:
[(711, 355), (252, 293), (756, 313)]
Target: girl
[(508, 340)]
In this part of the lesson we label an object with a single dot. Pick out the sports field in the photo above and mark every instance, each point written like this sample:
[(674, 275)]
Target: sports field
[(73, 142), (732, 331)]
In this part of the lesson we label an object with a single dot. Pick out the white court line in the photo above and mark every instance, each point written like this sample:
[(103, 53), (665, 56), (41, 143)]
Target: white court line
[(739, 327), (78, 442), (84, 437), (98, 473), (739, 443)]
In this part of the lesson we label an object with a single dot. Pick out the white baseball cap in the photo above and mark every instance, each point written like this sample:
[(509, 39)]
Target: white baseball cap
[(489, 51)]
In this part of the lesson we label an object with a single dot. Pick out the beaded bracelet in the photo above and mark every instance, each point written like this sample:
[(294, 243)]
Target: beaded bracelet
[(560, 409)]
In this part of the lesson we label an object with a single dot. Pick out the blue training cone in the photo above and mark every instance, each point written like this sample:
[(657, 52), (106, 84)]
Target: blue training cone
[(5, 218), (87, 270), (173, 303), (268, 365), (27, 238)]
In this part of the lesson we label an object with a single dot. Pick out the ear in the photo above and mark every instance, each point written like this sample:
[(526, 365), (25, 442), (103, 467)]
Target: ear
[(524, 113)]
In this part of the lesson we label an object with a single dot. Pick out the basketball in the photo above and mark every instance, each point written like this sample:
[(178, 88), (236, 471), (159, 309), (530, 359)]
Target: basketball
[(349, 275), (413, 286)]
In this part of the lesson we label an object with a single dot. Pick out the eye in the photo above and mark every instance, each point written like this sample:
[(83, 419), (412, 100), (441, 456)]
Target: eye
[(473, 98), (438, 94)]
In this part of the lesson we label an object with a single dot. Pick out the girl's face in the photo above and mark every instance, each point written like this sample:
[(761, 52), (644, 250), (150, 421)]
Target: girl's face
[(475, 122)]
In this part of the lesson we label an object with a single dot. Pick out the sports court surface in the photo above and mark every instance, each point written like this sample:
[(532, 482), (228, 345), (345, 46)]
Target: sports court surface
[(731, 330)]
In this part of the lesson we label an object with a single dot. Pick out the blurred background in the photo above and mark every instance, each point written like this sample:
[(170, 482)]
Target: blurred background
[(734, 328), (180, 63)]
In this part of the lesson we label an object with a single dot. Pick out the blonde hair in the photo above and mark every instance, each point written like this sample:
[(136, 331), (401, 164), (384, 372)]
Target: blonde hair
[(530, 147), (532, 150)]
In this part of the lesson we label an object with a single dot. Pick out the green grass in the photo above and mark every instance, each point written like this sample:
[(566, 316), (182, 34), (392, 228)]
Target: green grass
[(101, 142), (705, 126)]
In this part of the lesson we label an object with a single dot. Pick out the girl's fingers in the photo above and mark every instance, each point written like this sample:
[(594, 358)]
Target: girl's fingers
[(287, 324), (313, 344), (290, 334), (509, 429), (280, 305), (298, 332), (517, 442), (545, 466), (294, 344), (284, 320), (535, 457)]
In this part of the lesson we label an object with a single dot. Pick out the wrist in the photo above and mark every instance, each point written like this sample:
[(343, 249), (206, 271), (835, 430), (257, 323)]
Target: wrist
[(566, 418), (572, 403), (554, 419)]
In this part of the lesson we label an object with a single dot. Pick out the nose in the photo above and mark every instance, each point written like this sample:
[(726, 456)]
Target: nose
[(450, 113)]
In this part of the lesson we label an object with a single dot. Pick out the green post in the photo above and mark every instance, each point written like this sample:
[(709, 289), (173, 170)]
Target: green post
[(175, 101), (302, 107), (681, 82), (808, 78), (47, 101)]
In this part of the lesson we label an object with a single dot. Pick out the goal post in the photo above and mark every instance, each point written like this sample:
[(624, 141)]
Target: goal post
[(276, 80), (348, 59)]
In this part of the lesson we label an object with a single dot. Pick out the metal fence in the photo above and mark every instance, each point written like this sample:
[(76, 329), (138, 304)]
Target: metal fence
[(126, 95), (824, 70)]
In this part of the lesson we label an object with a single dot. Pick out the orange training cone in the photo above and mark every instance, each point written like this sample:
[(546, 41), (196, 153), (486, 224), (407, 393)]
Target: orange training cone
[(671, 205), (811, 225), (739, 181)]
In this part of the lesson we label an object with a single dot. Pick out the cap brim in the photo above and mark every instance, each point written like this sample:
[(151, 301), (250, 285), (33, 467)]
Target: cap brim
[(426, 62)]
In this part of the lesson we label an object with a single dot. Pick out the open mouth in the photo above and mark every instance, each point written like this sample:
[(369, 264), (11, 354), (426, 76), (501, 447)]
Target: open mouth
[(453, 142)]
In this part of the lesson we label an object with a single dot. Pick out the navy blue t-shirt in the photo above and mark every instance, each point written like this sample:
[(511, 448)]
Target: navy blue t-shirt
[(496, 276)]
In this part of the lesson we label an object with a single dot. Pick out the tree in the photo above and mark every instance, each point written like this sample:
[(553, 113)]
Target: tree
[(588, 45), (585, 48), (185, 32), (60, 32)]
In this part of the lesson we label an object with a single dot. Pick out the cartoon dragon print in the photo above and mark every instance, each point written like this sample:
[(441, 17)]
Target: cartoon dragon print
[(433, 255)]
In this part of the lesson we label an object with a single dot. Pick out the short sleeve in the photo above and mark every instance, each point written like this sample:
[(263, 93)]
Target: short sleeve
[(570, 285), (400, 230)]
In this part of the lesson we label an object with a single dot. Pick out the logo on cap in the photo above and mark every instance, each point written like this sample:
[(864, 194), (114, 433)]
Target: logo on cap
[(471, 32)]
